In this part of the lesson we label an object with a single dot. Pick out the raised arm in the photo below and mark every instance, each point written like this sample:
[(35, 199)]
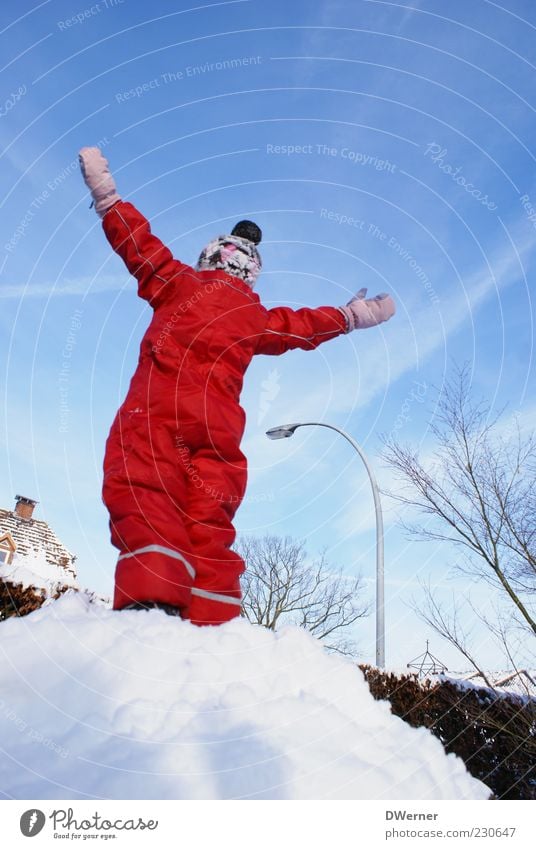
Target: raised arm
[(308, 328), (145, 256), (128, 231)]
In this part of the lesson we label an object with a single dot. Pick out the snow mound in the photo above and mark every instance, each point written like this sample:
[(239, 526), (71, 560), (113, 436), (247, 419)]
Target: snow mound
[(139, 705)]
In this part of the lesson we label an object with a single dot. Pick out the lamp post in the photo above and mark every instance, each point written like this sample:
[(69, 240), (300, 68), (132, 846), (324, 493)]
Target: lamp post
[(284, 432)]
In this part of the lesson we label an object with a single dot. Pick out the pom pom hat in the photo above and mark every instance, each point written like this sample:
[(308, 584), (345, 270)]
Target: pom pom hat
[(236, 254), (247, 230)]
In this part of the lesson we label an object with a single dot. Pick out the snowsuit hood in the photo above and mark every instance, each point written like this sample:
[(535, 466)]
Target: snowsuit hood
[(233, 254)]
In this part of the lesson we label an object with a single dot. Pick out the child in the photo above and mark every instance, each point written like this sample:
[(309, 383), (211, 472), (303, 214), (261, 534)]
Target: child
[(174, 474)]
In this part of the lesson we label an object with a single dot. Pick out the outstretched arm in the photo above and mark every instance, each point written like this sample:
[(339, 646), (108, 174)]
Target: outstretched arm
[(128, 231), (305, 328), (308, 328)]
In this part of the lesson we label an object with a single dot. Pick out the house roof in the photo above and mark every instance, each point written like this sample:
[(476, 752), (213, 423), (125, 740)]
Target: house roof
[(35, 535), (7, 539)]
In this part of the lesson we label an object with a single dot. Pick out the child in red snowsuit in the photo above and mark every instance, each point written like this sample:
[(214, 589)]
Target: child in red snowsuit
[(174, 474)]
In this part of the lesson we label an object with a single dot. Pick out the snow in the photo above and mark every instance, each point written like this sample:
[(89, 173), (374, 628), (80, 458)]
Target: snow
[(33, 570), (507, 683), (102, 704), (46, 579)]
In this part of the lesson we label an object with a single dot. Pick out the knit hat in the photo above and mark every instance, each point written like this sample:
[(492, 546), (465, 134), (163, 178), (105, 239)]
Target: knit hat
[(247, 230), (236, 254)]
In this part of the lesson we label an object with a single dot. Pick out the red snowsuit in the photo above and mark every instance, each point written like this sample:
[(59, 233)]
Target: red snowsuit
[(174, 474)]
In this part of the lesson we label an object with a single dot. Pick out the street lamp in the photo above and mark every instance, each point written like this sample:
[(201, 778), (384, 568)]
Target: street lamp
[(284, 432)]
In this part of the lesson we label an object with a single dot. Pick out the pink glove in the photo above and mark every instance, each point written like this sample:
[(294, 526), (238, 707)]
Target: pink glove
[(98, 179), (361, 313)]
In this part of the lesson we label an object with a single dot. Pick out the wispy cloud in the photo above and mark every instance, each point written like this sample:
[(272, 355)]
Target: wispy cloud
[(350, 522), (65, 287), (398, 347), (393, 351)]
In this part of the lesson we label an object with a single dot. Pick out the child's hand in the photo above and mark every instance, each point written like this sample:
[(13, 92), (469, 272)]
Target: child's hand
[(98, 179), (361, 313)]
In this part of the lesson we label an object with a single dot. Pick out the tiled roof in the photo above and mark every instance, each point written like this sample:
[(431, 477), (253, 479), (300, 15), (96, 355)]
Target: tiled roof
[(35, 535)]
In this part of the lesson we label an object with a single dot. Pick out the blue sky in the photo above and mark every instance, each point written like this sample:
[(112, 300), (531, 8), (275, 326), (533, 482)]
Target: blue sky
[(377, 144)]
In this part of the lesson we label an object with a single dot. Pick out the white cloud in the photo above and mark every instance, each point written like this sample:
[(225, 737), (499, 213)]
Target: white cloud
[(386, 353), (74, 286), (394, 349)]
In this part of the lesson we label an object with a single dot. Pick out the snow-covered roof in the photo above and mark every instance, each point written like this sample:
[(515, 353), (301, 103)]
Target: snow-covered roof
[(36, 535), (34, 570)]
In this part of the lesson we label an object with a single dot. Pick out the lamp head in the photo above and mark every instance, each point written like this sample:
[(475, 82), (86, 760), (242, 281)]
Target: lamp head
[(282, 431)]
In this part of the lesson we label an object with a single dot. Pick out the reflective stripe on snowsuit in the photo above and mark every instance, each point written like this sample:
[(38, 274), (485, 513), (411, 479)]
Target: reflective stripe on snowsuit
[(174, 474)]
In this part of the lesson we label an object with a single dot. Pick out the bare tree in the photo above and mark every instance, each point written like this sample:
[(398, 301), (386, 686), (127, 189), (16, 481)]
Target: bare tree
[(478, 492), (282, 587)]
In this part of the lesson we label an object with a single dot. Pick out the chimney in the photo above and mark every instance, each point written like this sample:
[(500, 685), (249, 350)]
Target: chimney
[(24, 507)]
